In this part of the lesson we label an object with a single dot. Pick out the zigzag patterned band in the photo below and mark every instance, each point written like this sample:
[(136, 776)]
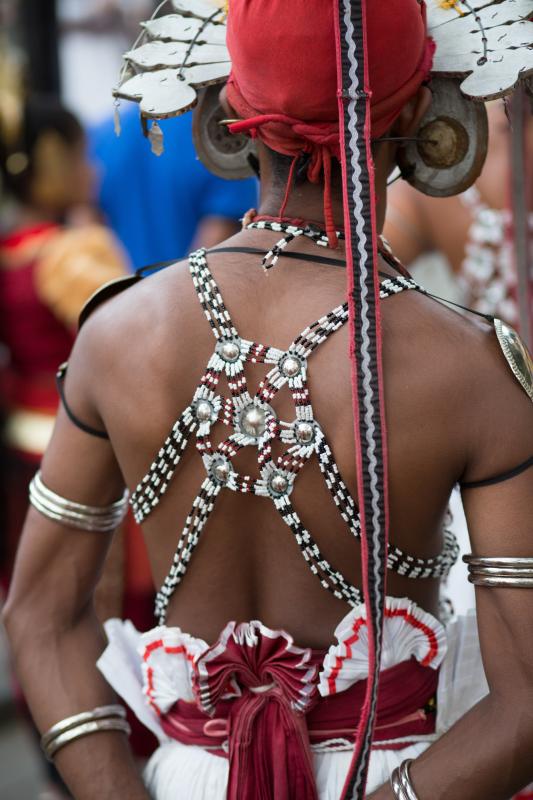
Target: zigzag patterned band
[(363, 299)]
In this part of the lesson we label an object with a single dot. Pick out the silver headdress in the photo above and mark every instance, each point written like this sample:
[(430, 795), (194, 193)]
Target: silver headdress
[(483, 49)]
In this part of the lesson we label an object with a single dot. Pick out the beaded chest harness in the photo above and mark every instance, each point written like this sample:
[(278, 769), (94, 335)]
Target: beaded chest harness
[(256, 424)]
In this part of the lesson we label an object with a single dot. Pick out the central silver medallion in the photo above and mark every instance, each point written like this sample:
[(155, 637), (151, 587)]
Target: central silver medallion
[(253, 421)]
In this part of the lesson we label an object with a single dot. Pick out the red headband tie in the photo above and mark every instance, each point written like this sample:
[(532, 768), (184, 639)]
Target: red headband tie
[(284, 75)]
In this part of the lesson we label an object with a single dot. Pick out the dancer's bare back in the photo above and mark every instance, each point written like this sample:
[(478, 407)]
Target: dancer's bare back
[(454, 413)]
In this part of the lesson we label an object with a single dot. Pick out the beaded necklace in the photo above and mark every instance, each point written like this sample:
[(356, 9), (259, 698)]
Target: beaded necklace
[(255, 423), (292, 231)]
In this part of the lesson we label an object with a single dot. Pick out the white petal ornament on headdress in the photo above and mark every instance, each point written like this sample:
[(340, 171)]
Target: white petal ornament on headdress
[(174, 28), (483, 50), (179, 55), (174, 56), (489, 41)]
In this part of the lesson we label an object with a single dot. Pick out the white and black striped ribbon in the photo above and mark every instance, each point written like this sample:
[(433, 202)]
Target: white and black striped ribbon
[(363, 299)]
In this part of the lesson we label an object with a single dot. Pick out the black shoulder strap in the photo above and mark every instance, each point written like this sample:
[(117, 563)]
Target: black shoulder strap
[(151, 269), (503, 476), (335, 262), (105, 292), (118, 285), (314, 259), (60, 376)]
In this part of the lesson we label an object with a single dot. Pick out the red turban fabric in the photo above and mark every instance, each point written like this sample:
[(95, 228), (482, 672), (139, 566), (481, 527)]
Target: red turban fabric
[(284, 63)]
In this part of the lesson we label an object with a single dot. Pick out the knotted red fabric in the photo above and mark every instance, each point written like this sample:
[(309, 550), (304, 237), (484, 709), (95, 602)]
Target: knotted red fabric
[(258, 692), (273, 683), (283, 81), (284, 63)]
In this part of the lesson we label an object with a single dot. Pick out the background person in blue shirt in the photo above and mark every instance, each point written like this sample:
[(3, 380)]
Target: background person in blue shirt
[(162, 206)]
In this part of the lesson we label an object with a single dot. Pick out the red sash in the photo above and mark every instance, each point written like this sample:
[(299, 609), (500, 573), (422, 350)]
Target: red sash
[(267, 739)]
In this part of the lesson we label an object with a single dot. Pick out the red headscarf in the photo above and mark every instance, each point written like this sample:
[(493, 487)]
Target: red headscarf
[(283, 81), (284, 62)]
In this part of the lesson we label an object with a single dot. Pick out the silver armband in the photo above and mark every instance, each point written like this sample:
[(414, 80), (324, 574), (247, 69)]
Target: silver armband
[(401, 782), (102, 718), (512, 572), (76, 515)]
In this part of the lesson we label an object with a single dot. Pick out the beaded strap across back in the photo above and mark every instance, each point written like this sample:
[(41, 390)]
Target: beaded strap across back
[(254, 423)]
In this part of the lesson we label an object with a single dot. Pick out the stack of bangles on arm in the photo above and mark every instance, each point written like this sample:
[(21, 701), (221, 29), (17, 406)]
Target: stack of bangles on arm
[(88, 518), (400, 782), (501, 572), (103, 718), (514, 572)]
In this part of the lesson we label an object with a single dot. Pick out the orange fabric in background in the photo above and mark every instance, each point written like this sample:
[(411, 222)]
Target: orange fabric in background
[(138, 575)]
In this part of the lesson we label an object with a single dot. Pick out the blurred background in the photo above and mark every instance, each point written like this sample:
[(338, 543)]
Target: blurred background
[(80, 206)]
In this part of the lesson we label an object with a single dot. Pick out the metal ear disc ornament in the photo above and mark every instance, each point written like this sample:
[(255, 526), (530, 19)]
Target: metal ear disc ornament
[(449, 151), (443, 143), (224, 154), (483, 50)]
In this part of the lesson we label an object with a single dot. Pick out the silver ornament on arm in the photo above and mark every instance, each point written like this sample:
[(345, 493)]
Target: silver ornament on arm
[(102, 718), (500, 572), (103, 519)]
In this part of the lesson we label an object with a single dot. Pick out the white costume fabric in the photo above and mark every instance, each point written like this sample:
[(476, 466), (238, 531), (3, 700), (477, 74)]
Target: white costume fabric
[(152, 670)]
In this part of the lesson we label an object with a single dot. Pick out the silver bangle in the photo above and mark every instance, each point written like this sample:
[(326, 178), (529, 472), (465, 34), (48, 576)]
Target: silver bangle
[(400, 782), (100, 712), (503, 572), (396, 785), (85, 729), (512, 562), (67, 512), (405, 780), (502, 582)]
